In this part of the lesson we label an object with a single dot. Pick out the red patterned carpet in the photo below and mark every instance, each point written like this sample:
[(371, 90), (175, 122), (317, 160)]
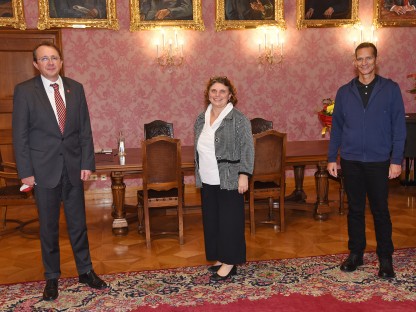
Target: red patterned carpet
[(304, 284)]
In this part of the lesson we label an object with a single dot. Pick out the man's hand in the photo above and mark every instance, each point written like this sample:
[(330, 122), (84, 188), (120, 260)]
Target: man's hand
[(309, 14), (161, 14), (257, 6), (400, 10), (30, 181), (394, 171), (332, 169), (242, 183), (85, 175), (328, 12), (410, 8), (93, 13)]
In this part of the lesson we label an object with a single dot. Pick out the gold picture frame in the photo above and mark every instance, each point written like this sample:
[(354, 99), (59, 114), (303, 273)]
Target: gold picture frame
[(383, 17), (346, 16), (17, 18), (49, 16), (225, 19), (143, 16)]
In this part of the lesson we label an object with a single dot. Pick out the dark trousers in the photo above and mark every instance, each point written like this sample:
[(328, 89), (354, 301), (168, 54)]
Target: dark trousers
[(368, 179), (224, 224), (49, 202)]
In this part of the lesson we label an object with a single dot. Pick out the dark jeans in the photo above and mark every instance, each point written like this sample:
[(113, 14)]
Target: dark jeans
[(368, 179), (224, 225)]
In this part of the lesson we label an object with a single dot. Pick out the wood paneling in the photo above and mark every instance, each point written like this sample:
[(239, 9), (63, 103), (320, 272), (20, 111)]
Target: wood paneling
[(16, 65)]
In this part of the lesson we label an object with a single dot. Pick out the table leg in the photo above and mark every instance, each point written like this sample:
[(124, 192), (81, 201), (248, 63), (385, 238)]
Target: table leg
[(322, 185), (118, 187), (298, 195)]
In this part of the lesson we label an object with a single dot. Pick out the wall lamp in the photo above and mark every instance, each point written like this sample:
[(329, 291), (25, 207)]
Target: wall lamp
[(270, 45), (364, 34), (169, 50)]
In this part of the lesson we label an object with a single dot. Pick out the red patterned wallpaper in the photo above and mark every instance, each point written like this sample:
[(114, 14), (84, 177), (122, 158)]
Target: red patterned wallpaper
[(125, 88)]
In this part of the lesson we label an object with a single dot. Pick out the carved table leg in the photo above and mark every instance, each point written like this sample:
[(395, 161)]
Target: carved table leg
[(298, 195), (322, 185), (120, 226)]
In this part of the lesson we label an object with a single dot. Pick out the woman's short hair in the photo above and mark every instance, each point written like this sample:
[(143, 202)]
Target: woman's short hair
[(226, 82)]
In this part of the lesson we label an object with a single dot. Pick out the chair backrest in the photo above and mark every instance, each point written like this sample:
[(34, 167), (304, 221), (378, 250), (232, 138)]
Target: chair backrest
[(158, 128), (161, 164), (259, 125), (270, 155)]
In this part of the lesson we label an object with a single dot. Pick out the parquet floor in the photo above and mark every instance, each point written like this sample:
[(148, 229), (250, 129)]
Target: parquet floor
[(20, 257)]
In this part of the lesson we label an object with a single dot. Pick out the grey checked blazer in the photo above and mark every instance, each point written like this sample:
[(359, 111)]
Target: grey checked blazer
[(234, 148)]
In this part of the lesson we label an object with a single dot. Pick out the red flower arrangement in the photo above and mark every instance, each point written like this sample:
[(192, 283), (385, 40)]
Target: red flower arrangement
[(413, 76), (325, 115)]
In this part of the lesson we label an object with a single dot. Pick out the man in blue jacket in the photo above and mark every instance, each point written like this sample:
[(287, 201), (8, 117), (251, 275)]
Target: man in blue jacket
[(369, 131)]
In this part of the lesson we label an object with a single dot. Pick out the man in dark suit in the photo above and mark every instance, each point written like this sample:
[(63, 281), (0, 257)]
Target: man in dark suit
[(249, 10), (327, 9), (400, 6), (170, 10), (54, 152), (78, 9)]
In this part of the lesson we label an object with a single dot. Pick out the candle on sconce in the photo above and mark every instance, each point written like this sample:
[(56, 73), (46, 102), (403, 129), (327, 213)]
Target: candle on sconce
[(163, 40), (265, 40), (281, 48), (278, 41), (176, 39), (181, 49), (170, 47), (157, 49), (372, 33)]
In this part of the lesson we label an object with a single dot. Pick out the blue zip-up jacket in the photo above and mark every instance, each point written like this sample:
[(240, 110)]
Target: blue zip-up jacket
[(372, 134)]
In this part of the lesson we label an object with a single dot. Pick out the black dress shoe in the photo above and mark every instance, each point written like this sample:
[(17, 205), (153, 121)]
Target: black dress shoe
[(51, 290), (214, 268), (351, 263), (386, 268), (92, 280), (216, 277)]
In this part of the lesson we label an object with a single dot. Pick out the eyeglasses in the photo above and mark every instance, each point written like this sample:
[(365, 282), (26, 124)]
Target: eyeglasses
[(46, 59)]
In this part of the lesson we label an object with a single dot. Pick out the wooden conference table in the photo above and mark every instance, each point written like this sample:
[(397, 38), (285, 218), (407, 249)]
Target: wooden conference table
[(298, 154)]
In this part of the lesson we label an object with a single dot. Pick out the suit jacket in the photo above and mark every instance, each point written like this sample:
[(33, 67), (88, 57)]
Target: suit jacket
[(388, 4), (40, 148)]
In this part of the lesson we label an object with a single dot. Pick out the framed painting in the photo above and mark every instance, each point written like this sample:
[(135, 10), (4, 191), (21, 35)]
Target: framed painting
[(243, 14), (153, 14), (77, 14), (394, 13), (12, 14), (331, 13)]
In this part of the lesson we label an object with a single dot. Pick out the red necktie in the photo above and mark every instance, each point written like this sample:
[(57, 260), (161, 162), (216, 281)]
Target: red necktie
[(405, 2), (60, 107)]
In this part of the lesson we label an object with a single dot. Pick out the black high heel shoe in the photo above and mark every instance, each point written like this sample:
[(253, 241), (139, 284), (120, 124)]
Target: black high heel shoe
[(214, 268), (215, 277)]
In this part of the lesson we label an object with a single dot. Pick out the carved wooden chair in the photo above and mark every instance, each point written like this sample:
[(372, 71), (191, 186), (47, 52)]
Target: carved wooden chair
[(162, 182), (157, 128), (268, 179), (259, 125), (10, 195)]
